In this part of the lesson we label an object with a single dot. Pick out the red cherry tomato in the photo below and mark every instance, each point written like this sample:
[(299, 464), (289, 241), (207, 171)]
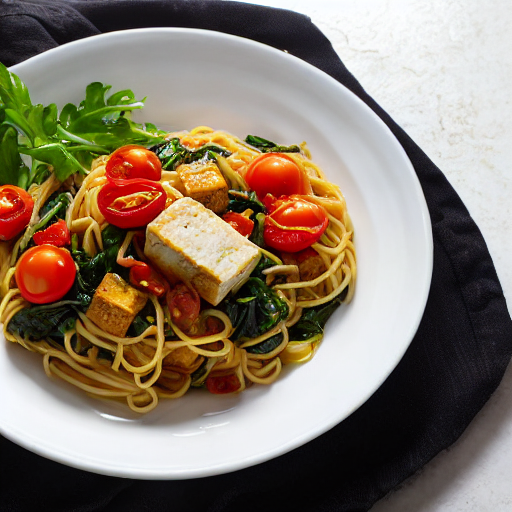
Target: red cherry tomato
[(184, 305), (57, 234), (16, 207), (237, 221), (294, 224), (131, 204), (223, 384), (45, 273), (276, 174), (129, 162), (142, 276)]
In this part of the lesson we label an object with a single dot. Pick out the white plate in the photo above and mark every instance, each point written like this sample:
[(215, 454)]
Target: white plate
[(194, 77)]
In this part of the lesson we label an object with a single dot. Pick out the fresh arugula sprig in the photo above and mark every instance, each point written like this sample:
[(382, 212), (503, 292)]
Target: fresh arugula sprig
[(65, 143), (267, 146)]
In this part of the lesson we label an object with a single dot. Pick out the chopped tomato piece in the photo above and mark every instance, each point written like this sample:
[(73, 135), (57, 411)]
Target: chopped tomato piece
[(184, 305), (241, 223), (223, 384), (57, 234)]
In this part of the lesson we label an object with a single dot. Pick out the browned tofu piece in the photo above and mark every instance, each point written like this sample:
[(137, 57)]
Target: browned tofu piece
[(205, 183), (115, 305), (310, 263), (182, 357)]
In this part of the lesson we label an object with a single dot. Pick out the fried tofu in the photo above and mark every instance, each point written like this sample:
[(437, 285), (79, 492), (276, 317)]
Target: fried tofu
[(115, 305), (310, 263), (188, 241), (205, 183)]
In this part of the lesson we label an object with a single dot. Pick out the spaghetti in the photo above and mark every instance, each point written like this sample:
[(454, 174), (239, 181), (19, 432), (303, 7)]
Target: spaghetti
[(165, 360)]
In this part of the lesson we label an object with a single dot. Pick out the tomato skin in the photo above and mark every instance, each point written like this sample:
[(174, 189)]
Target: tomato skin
[(276, 174), (45, 273), (300, 224), (239, 222), (16, 207), (57, 234), (223, 384), (131, 161), (135, 216), (184, 305), (143, 277)]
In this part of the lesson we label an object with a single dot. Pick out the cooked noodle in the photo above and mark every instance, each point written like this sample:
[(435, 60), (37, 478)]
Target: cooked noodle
[(143, 369)]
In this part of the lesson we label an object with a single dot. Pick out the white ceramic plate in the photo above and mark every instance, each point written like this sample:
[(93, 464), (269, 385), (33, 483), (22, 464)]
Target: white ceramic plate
[(194, 77)]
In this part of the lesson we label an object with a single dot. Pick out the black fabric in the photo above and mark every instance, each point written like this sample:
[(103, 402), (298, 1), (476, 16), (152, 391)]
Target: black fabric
[(453, 365)]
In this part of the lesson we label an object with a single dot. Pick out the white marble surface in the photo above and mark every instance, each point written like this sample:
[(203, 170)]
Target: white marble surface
[(443, 70)]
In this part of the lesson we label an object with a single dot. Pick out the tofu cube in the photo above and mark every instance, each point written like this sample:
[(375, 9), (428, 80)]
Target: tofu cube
[(206, 184), (190, 242), (115, 305)]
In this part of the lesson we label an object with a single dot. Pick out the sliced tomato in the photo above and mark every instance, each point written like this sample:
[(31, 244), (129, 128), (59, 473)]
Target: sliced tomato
[(45, 273), (184, 305), (129, 162), (132, 203), (16, 207), (276, 174), (223, 384), (294, 223), (57, 234), (239, 222)]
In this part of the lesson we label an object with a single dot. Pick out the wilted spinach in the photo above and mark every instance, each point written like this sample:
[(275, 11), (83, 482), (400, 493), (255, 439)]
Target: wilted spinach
[(267, 146), (254, 309), (39, 322), (172, 153), (267, 345), (313, 320)]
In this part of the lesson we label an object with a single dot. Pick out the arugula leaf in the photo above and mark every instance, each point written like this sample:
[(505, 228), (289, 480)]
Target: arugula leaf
[(65, 143), (267, 146), (12, 169), (172, 153)]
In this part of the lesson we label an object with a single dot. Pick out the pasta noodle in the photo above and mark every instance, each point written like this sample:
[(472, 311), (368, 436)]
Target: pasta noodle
[(143, 369)]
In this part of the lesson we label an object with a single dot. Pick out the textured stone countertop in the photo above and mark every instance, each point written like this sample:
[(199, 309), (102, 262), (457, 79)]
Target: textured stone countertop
[(443, 70)]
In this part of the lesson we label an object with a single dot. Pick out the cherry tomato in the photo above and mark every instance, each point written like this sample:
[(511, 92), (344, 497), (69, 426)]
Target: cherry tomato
[(57, 234), (16, 207), (45, 273), (131, 204), (142, 276), (276, 174), (223, 384), (294, 224), (237, 221), (184, 305), (132, 161)]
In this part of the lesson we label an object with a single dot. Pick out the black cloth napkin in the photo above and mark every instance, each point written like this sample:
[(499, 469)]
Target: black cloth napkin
[(453, 365)]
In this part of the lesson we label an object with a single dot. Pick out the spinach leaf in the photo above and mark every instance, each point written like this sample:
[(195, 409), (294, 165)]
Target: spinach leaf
[(57, 204), (254, 309), (239, 201), (267, 146), (39, 322), (313, 320), (265, 262), (91, 271), (267, 345), (173, 153)]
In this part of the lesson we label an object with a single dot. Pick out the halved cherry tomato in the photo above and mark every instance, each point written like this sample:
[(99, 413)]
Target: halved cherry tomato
[(294, 224), (16, 207), (45, 273), (131, 204), (184, 305), (276, 174), (129, 162), (57, 234), (223, 384), (237, 221), (142, 276)]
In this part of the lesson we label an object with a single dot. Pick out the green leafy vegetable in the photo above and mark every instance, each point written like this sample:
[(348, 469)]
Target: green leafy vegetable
[(267, 345), (65, 143), (40, 322), (91, 271), (313, 320), (173, 153), (254, 309), (267, 146)]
